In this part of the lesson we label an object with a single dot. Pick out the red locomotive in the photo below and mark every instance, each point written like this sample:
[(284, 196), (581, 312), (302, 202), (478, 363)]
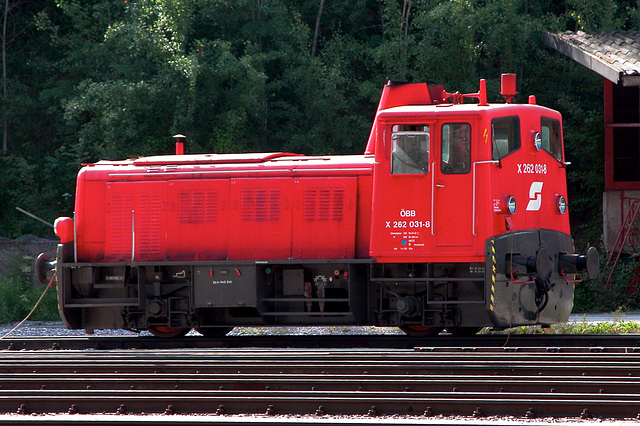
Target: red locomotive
[(455, 217)]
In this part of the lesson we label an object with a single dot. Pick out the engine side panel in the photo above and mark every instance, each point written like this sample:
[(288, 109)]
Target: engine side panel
[(195, 218)]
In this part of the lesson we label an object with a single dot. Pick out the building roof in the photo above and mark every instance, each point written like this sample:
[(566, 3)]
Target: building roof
[(614, 55)]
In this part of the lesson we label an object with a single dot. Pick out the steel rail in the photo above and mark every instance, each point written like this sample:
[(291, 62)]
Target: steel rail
[(313, 362), (479, 343), (336, 382), (256, 420), (359, 369), (310, 402)]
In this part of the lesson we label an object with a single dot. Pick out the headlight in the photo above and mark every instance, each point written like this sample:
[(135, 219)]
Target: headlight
[(508, 205), (562, 204), (511, 204)]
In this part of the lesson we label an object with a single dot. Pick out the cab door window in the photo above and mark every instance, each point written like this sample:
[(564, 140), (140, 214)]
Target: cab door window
[(409, 149), (456, 148)]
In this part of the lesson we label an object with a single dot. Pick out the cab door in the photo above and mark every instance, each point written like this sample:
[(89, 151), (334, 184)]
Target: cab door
[(453, 192), (402, 199)]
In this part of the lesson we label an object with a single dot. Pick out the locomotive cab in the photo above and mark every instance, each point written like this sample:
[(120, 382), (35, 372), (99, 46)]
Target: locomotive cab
[(470, 207)]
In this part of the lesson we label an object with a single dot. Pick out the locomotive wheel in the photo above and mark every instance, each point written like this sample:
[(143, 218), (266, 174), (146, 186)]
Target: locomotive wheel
[(464, 331), (168, 332), (420, 330), (214, 331)]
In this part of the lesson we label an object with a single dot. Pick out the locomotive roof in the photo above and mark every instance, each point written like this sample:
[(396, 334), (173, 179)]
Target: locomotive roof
[(252, 157), (278, 162), (467, 109)]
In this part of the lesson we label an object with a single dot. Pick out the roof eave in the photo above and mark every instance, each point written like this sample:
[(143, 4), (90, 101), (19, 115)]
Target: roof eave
[(584, 58)]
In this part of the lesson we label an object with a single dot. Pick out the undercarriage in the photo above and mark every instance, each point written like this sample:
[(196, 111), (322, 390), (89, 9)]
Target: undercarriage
[(523, 281)]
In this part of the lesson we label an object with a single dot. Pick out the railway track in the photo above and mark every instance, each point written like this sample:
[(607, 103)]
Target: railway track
[(539, 342), (423, 382)]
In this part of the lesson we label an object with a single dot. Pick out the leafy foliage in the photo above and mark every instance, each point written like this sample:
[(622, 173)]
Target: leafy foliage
[(618, 292), (18, 295), (93, 79)]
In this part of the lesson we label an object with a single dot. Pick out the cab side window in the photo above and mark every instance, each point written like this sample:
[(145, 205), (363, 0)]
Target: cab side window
[(456, 148), (409, 149), (551, 137), (505, 136)]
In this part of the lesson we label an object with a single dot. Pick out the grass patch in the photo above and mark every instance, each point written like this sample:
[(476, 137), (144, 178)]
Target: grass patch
[(613, 327)]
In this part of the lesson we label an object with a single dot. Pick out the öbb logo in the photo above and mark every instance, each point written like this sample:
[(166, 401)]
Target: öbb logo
[(535, 197), (407, 213)]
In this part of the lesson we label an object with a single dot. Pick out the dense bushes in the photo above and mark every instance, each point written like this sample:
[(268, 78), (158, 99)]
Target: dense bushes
[(19, 293), (604, 294), (90, 80)]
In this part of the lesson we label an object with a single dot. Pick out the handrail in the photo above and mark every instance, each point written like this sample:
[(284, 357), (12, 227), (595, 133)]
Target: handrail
[(634, 208), (473, 195)]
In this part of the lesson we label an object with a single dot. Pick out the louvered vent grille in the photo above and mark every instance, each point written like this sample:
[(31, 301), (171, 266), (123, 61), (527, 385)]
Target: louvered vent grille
[(197, 206), (324, 204), (120, 226), (149, 219), (260, 205)]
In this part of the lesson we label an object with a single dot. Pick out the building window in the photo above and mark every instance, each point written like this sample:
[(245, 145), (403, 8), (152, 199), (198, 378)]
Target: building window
[(625, 130)]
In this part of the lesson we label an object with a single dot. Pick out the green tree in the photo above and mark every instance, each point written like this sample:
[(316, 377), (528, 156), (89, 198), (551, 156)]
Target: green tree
[(91, 79)]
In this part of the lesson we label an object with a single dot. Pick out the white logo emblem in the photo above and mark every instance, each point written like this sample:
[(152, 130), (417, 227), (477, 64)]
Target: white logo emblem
[(535, 197)]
